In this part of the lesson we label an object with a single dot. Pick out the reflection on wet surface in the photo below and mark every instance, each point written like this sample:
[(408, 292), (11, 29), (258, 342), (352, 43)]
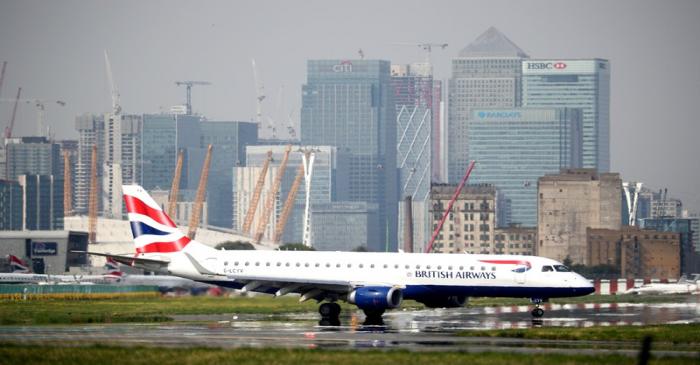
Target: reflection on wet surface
[(408, 329)]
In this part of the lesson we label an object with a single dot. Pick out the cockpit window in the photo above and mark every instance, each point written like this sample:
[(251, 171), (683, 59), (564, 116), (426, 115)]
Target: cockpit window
[(547, 268), (561, 268)]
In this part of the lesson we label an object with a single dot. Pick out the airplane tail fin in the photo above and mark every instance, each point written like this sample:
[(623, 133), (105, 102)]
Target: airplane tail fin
[(18, 266), (153, 230)]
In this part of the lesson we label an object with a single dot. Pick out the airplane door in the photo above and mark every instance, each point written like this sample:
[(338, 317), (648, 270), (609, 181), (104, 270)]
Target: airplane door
[(520, 277)]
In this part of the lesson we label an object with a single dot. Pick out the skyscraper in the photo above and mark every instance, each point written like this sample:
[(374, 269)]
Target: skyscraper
[(90, 129), (486, 74), (32, 155), (121, 159), (42, 197), (349, 104), (583, 84), (515, 147)]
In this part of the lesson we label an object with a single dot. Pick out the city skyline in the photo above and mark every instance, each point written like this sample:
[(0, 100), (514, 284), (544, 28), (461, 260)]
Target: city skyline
[(54, 51)]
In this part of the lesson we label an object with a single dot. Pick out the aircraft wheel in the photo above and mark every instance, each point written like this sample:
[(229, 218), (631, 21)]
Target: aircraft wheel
[(537, 312), (329, 310)]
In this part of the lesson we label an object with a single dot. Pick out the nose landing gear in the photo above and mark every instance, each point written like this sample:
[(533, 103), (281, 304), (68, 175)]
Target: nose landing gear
[(537, 312)]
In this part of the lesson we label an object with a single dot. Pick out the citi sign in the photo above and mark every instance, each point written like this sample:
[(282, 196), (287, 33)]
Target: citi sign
[(546, 65), (343, 66)]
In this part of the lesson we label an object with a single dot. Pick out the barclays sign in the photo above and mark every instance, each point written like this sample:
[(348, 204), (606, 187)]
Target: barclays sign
[(499, 115)]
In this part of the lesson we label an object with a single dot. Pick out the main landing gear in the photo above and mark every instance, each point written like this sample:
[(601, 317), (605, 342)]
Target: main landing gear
[(537, 312), (330, 313), (373, 317)]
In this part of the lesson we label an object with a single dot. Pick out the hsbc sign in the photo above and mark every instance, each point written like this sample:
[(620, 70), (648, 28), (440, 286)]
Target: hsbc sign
[(546, 65)]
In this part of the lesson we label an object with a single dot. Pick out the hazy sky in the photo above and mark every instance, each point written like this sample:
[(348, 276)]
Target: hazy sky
[(55, 49)]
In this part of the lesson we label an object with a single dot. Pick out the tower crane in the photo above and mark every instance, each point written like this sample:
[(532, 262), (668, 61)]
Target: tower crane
[(427, 47), (175, 188), (256, 195), (199, 198), (2, 75), (260, 96), (188, 86), (40, 104), (270, 201), (288, 204), (116, 104)]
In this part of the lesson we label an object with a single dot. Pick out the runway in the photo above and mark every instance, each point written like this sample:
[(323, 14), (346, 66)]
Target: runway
[(412, 330)]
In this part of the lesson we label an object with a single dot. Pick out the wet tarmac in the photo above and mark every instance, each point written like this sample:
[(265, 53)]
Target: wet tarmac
[(415, 330)]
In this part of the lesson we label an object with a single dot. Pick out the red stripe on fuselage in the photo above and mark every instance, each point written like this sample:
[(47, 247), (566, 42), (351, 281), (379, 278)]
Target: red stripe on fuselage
[(135, 205), (172, 246), (507, 262)]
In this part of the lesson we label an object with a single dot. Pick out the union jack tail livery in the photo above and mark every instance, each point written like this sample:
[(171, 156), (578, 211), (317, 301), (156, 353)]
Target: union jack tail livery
[(113, 269), (18, 266), (153, 230)]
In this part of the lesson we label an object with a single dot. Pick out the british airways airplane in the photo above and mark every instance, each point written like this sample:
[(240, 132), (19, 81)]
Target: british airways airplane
[(22, 275), (373, 281)]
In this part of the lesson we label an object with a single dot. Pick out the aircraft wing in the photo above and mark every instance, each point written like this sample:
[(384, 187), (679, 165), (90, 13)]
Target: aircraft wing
[(149, 264)]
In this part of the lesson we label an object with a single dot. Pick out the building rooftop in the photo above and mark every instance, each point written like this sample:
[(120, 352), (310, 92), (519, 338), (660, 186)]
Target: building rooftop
[(492, 43)]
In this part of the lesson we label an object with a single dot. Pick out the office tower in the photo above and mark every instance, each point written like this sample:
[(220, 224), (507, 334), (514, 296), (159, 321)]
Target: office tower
[(90, 129), (568, 204), (349, 104), (583, 84), (163, 136), (10, 205), (42, 197), (343, 226), (121, 160), (486, 74), (229, 141), (515, 147), (413, 89), (32, 155)]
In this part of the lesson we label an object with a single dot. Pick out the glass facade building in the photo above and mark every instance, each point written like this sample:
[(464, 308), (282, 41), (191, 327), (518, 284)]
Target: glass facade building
[(486, 74), (10, 206), (42, 197), (343, 226), (583, 84), (349, 105), (515, 147)]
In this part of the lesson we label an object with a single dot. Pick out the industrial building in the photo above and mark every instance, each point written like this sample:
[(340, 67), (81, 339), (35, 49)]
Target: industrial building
[(515, 240), (515, 147), (568, 204), (637, 253)]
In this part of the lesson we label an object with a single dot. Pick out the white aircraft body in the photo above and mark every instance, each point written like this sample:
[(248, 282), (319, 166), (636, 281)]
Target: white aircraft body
[(372, 281)]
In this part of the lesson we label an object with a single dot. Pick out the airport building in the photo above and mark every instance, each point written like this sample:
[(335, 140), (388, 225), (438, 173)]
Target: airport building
[(583, 84), (47, 252), (349, 104), (637, 253), (515, 147), (571, 202), (486, 74), (471, 225)]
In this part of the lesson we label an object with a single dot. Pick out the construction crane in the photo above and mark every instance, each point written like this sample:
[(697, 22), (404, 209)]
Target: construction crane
[(256, 195), (188, 86), (116, 104), (8, 129), (449, 207), (288, 204), (67, 187), (2, 75), (269, 203), (427, 47), (175, 188), (92, 201), (199, 198), (260, 96)]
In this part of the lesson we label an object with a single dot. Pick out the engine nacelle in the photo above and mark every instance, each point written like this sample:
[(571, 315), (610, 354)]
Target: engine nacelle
[(376, 297), (452, 301)]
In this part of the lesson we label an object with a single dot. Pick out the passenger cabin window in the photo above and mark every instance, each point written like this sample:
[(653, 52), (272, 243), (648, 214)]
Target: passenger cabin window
[(561, 268), (547, 268)]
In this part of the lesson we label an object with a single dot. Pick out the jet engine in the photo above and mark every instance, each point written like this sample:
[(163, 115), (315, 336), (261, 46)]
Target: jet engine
[(376, 297)]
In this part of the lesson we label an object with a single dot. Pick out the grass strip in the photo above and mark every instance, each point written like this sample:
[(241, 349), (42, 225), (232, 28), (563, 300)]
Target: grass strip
[(672, 333), (88, 355)]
